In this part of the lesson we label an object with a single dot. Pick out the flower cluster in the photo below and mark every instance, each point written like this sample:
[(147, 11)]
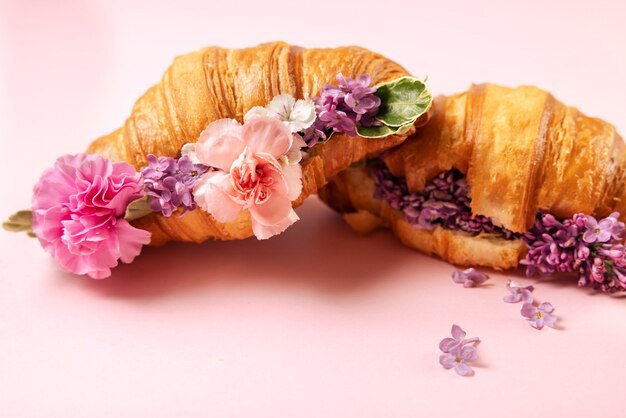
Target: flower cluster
[(170, 182), (444, 202), (594, 249), (78, 214), (458, 351), (341, 107)]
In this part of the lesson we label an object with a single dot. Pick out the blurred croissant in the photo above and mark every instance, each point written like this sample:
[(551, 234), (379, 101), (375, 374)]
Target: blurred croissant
[(521, 151), (216, 83)]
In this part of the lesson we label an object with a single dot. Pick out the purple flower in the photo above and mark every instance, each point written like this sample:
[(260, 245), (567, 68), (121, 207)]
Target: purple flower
[(458, 359), (519, 293), (457, 351), (598, 231), (458, 340), (338, 121), (170, 181), (538, 316), (444, 202), (469, 277), (157, 167), (314, 133), (343, 107)]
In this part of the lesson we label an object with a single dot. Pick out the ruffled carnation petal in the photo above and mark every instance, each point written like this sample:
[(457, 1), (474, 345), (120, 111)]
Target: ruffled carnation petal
[(130, 239), (293, 178), (220, 144), (267, 231), (267, 135), (272, 211), (214, 193)]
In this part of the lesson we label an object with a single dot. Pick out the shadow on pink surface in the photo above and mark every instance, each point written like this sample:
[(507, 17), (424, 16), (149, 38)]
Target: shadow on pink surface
[(319, 252)]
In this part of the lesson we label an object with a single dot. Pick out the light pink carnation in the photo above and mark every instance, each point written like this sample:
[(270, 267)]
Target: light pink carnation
[(78, 214), (257, 169)]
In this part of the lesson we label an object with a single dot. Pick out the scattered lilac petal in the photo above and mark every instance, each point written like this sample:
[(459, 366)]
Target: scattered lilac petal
[(519, 293), (469, 277)]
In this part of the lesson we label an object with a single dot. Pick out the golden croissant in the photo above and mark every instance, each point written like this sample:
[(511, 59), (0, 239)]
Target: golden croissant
[(520, 152), (216, 83)]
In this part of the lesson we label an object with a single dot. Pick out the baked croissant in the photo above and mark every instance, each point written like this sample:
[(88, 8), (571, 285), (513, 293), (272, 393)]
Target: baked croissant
[(522, 152), (215, 83)]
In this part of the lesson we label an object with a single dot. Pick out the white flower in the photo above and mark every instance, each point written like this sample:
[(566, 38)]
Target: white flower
[(294, 155), (296, 114), (189, 149)]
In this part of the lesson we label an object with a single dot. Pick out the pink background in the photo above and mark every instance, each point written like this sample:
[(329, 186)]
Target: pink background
[(317, 322)]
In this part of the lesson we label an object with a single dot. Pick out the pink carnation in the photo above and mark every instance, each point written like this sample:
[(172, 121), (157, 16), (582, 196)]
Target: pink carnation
[(257, 169), (78, 214)]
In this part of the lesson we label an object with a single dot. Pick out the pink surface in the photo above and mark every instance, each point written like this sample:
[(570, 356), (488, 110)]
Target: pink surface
[(317, 322)]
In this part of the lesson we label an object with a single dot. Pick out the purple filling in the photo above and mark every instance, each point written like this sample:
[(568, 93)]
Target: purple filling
[(593, 249), (444, 202)]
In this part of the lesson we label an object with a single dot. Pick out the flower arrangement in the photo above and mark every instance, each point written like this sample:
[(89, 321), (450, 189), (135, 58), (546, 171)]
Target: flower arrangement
[(83, 207)]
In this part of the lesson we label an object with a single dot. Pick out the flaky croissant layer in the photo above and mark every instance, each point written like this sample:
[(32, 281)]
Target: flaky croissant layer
[(216, 83), (522, 151)]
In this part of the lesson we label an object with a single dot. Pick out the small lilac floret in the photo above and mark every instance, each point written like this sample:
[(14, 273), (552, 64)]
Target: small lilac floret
[(469, 277), (519, 293), (538, 316)]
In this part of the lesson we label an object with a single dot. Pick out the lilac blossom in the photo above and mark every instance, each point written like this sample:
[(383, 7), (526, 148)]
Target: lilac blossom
[(469, 277), (598, 231), (343, 107), (538, 316), (169, 182), (457, 351), (458, 340), (444, 202), (581, 244), (519, 293), (458, 359)]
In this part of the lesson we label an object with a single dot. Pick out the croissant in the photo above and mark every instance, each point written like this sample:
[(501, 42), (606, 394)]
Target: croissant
[(519, 151), (215, 83)]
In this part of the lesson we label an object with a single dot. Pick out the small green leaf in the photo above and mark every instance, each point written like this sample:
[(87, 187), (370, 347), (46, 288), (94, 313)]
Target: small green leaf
[(383, 131), (402, 101), (21, 221), (138, 209)]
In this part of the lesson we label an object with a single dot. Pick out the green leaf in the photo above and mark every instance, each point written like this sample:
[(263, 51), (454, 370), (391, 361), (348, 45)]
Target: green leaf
[(21, 221), (383, 131), (138, 209), (402, 101)]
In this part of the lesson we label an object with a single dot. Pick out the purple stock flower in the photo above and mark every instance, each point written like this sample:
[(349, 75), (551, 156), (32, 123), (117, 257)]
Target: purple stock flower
[(519, 293), (469, 277), (458, 351), (170, 181), (538, 316)]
